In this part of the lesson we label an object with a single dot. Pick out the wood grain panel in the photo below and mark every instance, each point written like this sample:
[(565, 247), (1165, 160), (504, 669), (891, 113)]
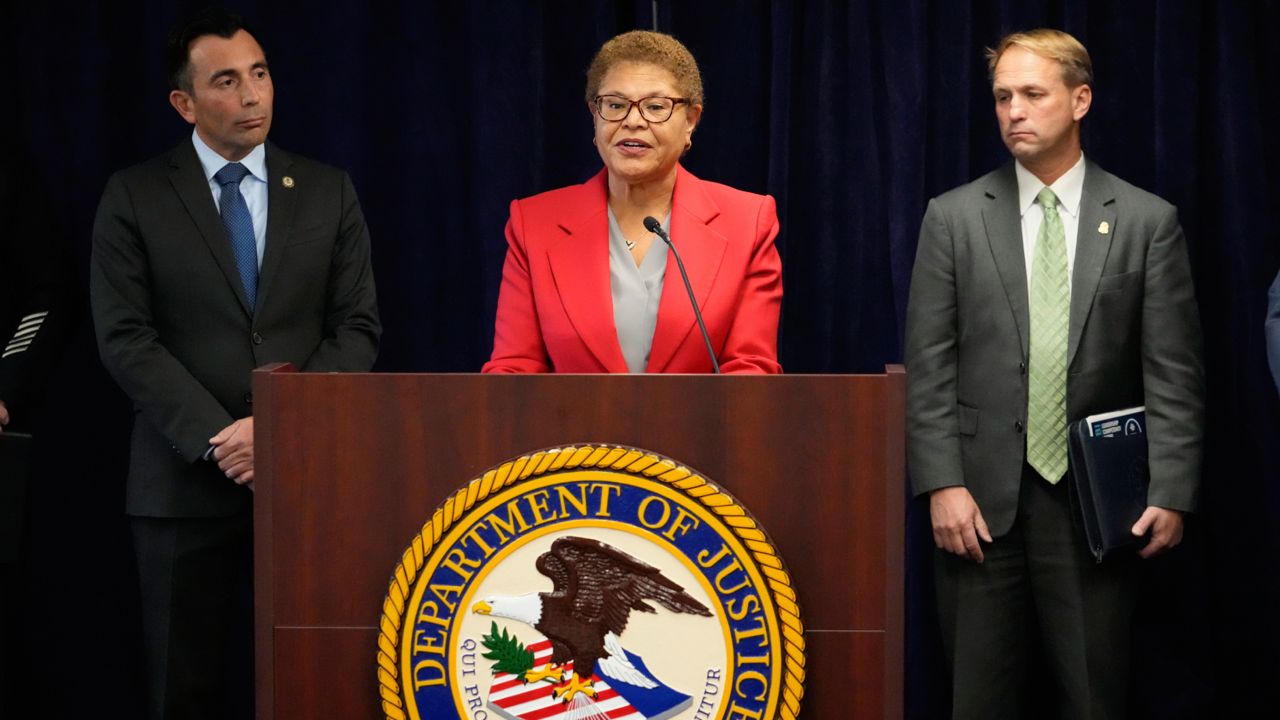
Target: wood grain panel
[(350, 466)]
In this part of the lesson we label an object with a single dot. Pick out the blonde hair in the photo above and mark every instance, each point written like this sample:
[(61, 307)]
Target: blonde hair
[(1077, 68), (652, 48)]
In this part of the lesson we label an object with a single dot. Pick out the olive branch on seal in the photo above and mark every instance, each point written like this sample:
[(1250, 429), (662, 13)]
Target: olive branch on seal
[(508, 651)]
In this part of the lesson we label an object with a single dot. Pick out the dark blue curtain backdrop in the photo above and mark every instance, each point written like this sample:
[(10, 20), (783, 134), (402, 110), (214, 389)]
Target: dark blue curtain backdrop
[(852, 114)]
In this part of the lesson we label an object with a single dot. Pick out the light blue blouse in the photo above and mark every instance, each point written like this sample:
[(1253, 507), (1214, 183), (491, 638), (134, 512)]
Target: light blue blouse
[(637, 291)]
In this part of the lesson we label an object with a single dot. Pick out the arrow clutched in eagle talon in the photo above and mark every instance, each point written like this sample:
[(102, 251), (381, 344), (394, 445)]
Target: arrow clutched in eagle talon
[(575, 686)]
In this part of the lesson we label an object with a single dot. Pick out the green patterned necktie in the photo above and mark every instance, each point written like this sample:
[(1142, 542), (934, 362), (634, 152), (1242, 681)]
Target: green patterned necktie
[(1050, 313)]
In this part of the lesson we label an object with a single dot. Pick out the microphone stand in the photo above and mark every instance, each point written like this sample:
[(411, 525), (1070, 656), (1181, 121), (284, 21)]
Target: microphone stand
[(652, 225)]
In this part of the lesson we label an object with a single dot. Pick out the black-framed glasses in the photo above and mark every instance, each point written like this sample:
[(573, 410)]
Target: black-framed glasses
[(656, 109)]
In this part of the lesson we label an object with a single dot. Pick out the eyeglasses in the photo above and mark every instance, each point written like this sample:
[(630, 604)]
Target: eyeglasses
[(657, 109)]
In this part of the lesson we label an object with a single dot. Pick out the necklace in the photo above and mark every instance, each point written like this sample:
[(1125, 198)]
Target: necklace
[(631, 244)]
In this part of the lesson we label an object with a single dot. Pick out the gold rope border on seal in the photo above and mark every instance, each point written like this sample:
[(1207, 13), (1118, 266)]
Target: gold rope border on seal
[(572, 458)]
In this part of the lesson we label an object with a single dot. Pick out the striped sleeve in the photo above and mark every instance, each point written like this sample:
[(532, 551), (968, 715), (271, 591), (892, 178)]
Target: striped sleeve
[(22, 338)]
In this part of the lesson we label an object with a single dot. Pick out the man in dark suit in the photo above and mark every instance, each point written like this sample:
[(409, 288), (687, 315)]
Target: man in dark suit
[(1046, 291), (219, 256)]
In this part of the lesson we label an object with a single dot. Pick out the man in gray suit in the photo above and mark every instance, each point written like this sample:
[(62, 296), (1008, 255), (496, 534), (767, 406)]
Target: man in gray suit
[(1046, 291), (221, 255)]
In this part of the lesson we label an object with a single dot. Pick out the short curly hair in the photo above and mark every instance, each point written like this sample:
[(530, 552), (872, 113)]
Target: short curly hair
[(652, 48)]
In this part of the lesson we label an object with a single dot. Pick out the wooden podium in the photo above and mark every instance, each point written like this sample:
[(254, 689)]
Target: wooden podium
[(350, 466)]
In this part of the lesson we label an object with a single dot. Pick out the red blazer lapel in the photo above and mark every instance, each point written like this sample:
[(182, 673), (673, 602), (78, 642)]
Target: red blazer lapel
[(702, 248), (580, 267)]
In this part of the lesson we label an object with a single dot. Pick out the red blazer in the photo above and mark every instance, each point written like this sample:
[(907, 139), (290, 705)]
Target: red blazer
[(555, 308)]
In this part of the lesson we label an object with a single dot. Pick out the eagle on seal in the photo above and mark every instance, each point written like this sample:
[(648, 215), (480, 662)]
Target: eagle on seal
[(596, 587)]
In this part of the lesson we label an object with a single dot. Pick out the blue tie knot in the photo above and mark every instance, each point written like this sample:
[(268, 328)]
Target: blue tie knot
[(230, 174)]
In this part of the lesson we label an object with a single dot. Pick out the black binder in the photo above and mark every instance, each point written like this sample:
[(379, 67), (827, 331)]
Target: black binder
[(1110, 478), (15, 451)]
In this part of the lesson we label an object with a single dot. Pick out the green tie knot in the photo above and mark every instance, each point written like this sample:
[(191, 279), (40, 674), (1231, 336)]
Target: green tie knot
[(1047, 199)]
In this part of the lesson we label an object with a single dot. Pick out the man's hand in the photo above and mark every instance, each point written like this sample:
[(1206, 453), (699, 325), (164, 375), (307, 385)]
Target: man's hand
[(957, 522), (4, 416), (233, 451), (1166, 530)]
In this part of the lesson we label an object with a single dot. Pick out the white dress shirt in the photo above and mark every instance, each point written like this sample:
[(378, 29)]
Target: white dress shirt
[(1069, 188), (253, 187)]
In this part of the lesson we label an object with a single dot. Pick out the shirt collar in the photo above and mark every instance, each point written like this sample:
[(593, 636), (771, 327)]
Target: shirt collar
[(1068, 188), (255, 162)]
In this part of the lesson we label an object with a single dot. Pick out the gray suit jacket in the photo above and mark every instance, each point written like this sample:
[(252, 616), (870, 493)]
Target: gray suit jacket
[(174, 327), (1134, 339)]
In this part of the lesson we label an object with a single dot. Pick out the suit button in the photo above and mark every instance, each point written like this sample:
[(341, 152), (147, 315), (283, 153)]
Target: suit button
[(248, 398), (1017, 426), (257, 339), (1022, 368)]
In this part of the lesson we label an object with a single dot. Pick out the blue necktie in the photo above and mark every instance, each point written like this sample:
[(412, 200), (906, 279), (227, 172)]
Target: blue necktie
[(238, 223)]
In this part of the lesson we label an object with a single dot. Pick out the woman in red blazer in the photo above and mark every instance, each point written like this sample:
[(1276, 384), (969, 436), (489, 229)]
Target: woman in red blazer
[(556, 307)]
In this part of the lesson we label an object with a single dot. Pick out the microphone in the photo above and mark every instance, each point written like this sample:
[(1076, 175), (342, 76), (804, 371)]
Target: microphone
[(652, 225)]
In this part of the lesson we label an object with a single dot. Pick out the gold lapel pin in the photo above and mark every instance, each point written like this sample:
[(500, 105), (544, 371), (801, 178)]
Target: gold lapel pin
[(1103, 228), (287, 181)]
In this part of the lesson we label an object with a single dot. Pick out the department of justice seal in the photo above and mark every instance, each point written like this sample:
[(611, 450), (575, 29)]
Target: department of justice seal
[(591, 583)]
